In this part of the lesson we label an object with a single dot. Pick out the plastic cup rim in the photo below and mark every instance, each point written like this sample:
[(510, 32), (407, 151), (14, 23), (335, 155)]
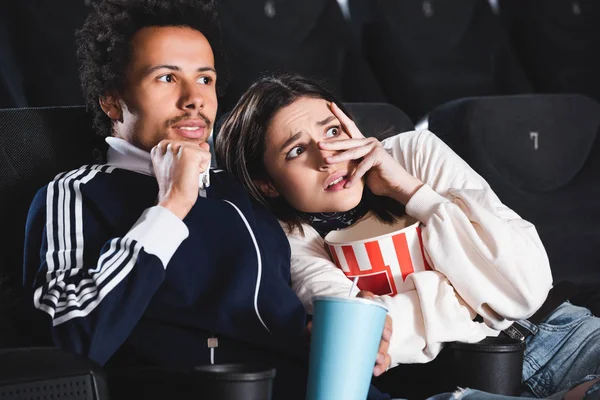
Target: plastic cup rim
[(351, 299)]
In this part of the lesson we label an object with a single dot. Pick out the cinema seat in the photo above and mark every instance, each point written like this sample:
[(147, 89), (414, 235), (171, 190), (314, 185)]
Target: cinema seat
[(541, 155), (308, 37), (425, 53)]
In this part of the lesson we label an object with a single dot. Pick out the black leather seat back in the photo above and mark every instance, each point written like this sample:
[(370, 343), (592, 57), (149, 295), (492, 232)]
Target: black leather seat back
[(310, 38), (427, 52), (35, 145), (541, 155)]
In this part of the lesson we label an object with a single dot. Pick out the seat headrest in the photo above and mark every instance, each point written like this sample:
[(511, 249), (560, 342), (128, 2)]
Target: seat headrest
[(271, 21), (435, 25), (536, 142), (380, 120)]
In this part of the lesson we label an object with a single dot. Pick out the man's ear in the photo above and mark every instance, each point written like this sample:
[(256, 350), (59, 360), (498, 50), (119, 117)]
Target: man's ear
[(111, 106), (266, 188)]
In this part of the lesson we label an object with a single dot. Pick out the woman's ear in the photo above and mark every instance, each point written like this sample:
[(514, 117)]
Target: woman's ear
[(112, 107), (266, 188)]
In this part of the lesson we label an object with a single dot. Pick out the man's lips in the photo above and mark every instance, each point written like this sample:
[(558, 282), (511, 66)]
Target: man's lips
[(191, 128)]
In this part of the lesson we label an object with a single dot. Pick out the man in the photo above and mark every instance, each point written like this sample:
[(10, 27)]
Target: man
[(143, 259)]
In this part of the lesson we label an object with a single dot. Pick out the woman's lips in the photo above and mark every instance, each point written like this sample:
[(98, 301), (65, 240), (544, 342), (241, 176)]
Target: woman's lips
[(337, 185)]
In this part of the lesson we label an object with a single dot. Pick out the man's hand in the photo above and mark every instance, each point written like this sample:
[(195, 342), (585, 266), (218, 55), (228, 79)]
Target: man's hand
[(383, 358), (177, 166)]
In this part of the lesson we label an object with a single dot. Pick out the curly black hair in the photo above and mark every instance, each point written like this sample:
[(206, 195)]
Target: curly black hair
[(104, 43)]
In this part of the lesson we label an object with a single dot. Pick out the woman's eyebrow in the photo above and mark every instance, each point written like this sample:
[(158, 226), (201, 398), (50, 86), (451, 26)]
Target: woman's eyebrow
[(290, 140), (326, 121)]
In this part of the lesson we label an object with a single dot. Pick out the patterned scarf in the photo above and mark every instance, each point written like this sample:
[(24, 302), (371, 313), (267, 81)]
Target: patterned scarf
[(331, 221)]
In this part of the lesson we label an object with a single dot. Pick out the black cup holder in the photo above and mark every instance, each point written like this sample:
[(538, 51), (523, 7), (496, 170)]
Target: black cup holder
[(494, 365), (235, 381)]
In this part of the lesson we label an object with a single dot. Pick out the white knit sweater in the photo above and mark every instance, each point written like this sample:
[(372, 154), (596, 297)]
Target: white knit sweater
[(486, 259)]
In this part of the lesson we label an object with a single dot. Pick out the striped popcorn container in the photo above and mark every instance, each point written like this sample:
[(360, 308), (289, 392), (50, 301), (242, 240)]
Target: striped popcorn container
[(381, 255)]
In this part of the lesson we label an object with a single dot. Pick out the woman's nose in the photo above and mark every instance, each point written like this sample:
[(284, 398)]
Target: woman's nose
[(323, 154)]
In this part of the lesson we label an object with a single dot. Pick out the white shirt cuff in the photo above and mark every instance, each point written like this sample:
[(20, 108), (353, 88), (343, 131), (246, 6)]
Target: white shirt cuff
[(160, 232), (423, 203)]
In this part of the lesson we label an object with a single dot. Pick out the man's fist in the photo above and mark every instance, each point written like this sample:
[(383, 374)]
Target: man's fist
[(177, 166)]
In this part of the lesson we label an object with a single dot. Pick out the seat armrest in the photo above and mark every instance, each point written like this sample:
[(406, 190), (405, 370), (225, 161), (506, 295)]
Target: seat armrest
[(48, 371)]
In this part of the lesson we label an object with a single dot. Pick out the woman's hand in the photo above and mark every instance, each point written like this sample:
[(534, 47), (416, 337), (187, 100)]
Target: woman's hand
[(384, 175), (383, 360)]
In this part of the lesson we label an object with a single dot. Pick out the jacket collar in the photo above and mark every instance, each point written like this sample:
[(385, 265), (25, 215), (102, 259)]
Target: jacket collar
[(124, 155)]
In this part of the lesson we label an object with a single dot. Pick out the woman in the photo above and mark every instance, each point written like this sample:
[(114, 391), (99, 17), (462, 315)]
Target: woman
[(290, 142)]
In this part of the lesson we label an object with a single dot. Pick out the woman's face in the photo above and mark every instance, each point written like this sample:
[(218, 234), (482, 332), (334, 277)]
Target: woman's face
[(297, 166)]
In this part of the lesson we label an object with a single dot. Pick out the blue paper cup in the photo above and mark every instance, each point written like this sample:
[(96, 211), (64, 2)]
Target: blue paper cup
[(346, 333)]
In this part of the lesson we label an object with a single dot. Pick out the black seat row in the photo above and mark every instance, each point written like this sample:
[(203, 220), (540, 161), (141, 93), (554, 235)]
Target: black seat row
[(415, 54)]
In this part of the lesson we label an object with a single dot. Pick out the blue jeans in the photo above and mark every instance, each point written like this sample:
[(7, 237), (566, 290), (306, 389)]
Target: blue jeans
[(564, 349), (593, 393)]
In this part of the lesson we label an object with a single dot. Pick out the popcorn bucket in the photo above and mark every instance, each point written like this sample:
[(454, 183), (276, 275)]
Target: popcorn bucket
[(381, 255)]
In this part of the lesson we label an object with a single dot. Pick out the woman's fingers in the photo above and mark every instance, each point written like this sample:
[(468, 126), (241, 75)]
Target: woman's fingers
[(351, 154), (387, 329), (384, 360), (382, 364), (365, 294), (349, 125), (365, 165), (345, 144)]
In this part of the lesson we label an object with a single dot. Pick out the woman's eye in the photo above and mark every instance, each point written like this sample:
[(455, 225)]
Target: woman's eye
[(294, 152), (332, 132), (205, 80), (166, 78)]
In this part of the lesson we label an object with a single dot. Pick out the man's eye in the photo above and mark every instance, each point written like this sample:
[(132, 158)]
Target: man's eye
[(294, 152), (205, 80), (166, 78), (332, 132)]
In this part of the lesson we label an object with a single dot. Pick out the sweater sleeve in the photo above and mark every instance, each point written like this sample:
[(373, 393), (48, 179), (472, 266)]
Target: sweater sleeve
[(424, 317), (94, 287), (494, 259)]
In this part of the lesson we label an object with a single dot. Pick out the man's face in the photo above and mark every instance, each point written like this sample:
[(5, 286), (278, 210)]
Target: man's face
[(170, 88)]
